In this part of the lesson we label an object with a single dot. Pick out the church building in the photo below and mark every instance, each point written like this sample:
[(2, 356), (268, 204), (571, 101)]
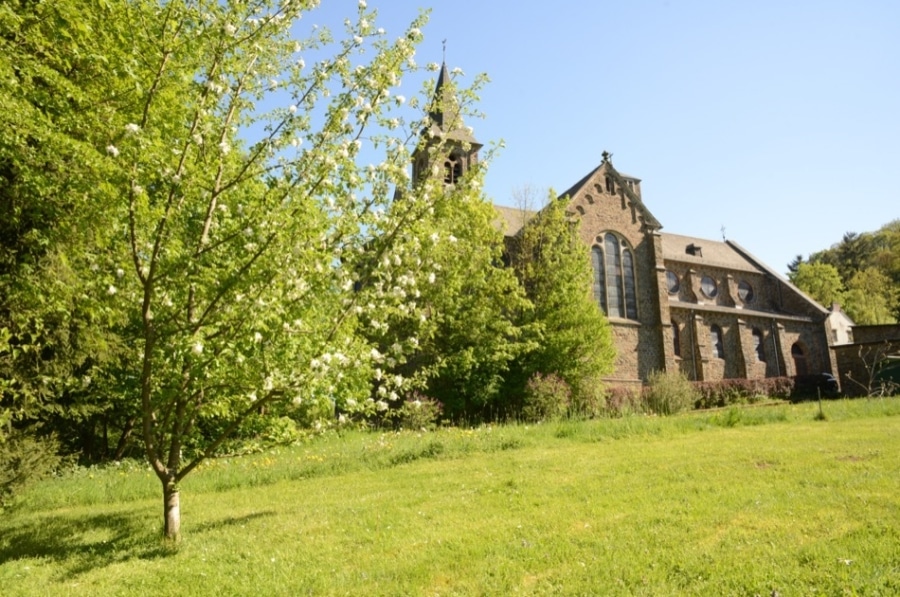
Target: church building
[(707, 308)]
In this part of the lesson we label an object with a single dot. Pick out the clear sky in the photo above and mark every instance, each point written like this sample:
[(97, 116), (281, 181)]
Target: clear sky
[(777, 119)]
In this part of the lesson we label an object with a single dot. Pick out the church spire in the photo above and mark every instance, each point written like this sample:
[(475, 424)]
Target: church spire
[(446, 125)]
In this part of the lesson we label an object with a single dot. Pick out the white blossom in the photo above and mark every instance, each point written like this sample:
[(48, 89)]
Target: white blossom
[(257, 337), (381, 405), (112, 150), (111, 290), (197, 348), (292, 109), (431, 278), (451, 238), (131, 128), (120, 272), (224, 147), (350, 403)]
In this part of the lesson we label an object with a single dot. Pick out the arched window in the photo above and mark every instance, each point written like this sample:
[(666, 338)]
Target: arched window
[(715, 338), (452, 169), (615, 288), (799, 357), (599, 277), (676, 339), (758, 345)]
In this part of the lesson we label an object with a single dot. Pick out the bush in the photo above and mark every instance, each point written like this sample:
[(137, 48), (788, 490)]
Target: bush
[(419, 412), (23, 460), (547, 398), (725, 392), (669, 393), (622, 401), (588, 398)]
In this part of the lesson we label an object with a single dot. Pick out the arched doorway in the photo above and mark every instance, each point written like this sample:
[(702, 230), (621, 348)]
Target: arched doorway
[(799, 356)]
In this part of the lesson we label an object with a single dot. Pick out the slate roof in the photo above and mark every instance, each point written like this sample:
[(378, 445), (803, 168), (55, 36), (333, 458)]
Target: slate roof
[(676, 247), (511, 219)]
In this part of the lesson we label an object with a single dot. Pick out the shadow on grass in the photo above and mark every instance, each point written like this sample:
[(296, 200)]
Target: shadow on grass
[(80, 543), (230, 521)]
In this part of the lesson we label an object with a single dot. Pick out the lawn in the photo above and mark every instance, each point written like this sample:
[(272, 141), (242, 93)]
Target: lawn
[(732, 502)]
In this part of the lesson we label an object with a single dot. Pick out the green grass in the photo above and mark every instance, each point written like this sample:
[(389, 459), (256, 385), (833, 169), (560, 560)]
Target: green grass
[(731, 502)]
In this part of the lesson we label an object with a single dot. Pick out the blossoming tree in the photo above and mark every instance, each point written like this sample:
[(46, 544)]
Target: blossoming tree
[(250, 264)]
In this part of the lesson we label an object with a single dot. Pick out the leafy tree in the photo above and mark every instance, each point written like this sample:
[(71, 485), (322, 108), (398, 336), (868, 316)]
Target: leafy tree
[(237, 273), (58, 105), (856, 253), (870, 295), (573, 337), (465, 336), (794, 264), (821, 281)]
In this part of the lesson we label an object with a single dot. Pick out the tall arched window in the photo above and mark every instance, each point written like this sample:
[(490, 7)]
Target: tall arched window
[(614, 281), (599, 277), (676, 339), (758, 345), (799, 356), (718, 348)]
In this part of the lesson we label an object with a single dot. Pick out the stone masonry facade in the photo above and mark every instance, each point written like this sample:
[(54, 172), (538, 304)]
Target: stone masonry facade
[(676, 303)]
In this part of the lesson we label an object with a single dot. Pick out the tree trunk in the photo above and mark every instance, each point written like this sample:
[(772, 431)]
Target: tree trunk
[(171, 511)]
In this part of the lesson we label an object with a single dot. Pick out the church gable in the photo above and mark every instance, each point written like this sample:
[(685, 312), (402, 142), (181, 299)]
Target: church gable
[(607, 199)]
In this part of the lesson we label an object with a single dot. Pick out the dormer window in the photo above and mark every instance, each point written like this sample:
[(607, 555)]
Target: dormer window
[(695, 250)]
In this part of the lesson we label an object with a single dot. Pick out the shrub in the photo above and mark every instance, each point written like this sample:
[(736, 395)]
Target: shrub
[(622, 401), (547, 398), (669, 393), (588, 398), (725, 392), (419, 412), (23, 460)]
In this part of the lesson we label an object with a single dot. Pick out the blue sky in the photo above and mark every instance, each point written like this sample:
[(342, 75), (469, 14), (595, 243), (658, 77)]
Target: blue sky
[(775, 119)]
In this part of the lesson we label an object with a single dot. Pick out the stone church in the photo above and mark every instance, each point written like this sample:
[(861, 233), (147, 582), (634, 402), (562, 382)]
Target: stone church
[(707, 308)]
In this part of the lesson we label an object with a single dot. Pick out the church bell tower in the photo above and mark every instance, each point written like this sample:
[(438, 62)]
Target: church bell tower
[(447, 147)]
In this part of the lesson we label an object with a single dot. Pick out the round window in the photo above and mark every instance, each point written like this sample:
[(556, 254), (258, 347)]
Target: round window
[(745, 291), (709, 287), (672, 282)]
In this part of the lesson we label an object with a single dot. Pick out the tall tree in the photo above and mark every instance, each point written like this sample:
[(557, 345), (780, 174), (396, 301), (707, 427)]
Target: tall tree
[(870, 297), (821, 281), (573, 337), (59, 103), (237, 273)]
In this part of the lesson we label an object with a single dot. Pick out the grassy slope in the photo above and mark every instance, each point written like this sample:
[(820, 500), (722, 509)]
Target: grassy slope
[(736, 502)]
